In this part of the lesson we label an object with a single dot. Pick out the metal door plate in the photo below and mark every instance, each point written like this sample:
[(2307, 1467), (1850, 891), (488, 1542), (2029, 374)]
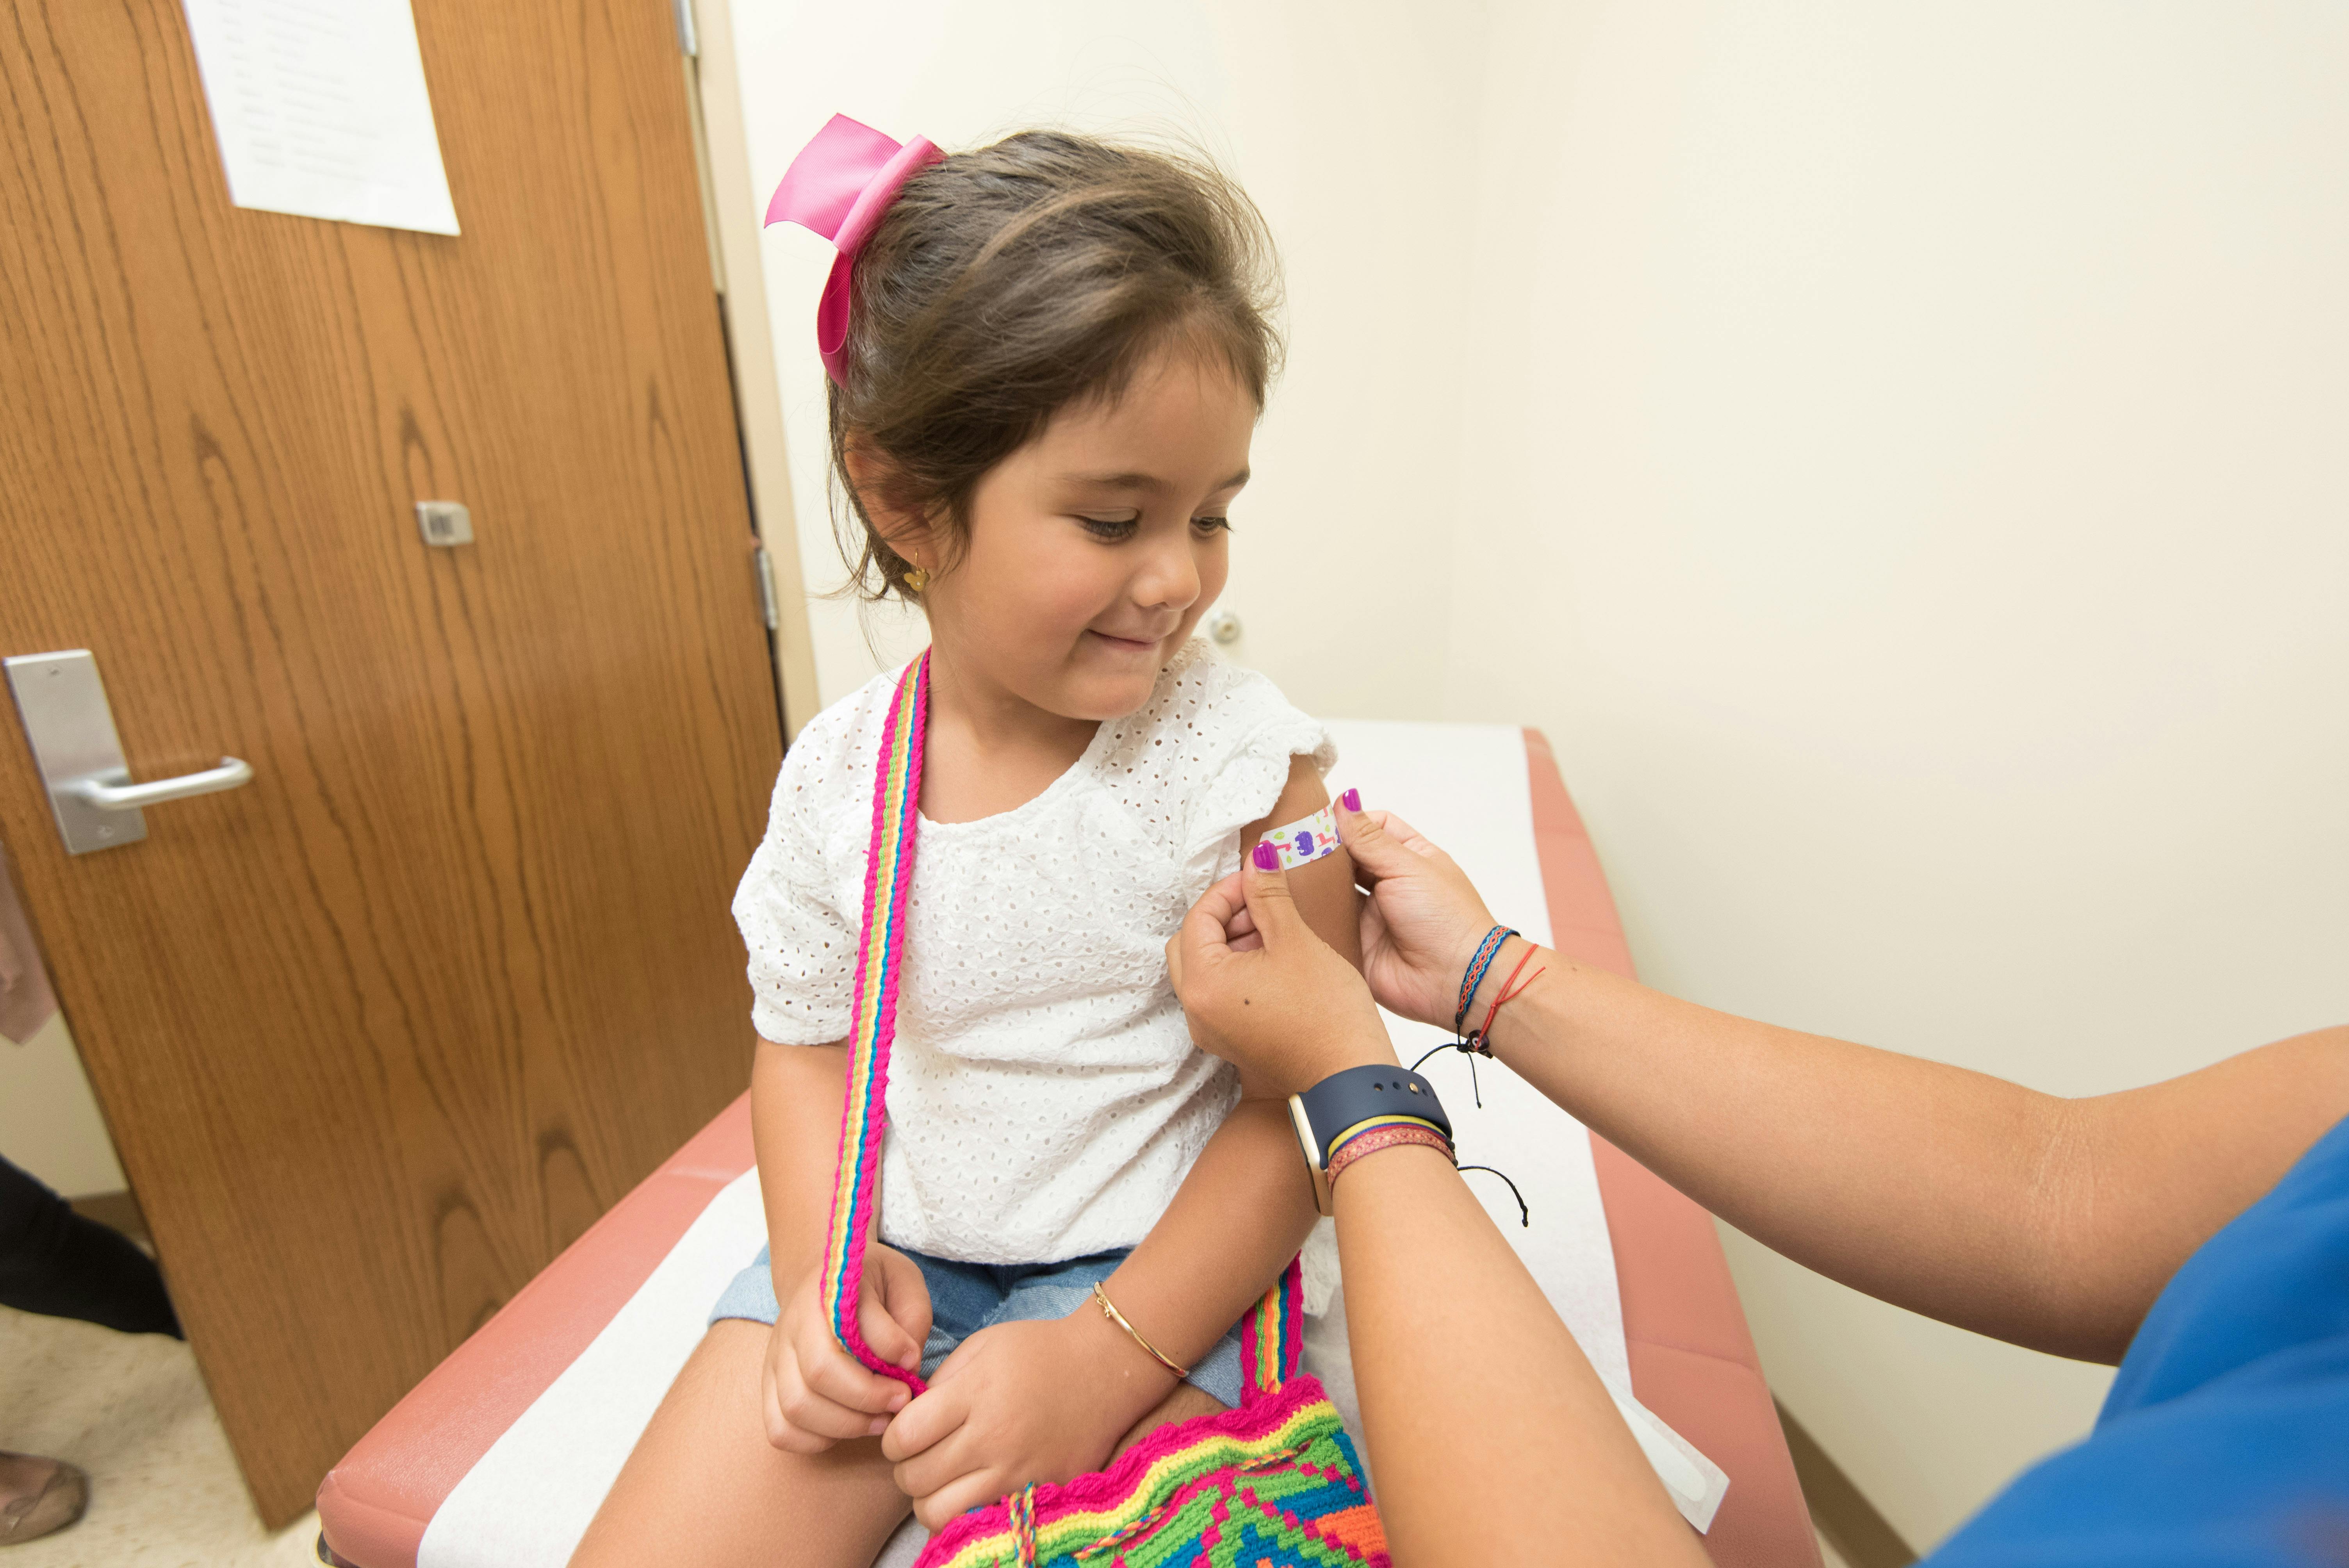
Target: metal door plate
[(71, 728)]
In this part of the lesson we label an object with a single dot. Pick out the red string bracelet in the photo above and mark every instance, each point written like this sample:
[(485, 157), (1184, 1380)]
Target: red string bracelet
[(1505, 996)]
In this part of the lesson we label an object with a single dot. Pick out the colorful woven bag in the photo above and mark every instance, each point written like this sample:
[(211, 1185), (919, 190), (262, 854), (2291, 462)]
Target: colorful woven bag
[(1273, 1484)]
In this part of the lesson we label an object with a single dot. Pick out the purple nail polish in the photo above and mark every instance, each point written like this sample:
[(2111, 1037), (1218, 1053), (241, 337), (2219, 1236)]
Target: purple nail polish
[(1351, 800), (1267, 859)]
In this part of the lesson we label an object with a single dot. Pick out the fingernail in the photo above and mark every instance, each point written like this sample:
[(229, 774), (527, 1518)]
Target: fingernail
[(897, 1402), (1351, 800), (879, 1426), (1267, 859)]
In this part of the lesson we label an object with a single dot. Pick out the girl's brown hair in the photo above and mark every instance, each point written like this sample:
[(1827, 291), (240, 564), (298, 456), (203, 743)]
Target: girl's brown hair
[(1003, 286)]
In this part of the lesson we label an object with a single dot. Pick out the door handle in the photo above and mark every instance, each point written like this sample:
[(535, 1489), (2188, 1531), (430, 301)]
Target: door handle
[(71, 728), (108, 796)]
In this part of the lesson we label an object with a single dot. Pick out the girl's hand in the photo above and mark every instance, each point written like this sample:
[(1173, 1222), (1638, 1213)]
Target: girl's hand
[(1260, 989), (813, 1392), (1423, 918), (1020, 1402)]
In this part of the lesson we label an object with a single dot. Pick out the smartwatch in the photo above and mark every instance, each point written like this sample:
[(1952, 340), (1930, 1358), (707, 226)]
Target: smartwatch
[(1345, 1102)]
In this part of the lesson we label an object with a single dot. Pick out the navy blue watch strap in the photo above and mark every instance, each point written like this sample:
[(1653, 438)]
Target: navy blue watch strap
[(1357, 1095)]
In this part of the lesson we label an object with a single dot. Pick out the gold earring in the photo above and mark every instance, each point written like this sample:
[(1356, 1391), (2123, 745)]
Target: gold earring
[(917, 580)]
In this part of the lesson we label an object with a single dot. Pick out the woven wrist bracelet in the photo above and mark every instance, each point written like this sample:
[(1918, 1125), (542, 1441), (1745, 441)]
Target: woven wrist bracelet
[(1395, 1135), (1486, 951)]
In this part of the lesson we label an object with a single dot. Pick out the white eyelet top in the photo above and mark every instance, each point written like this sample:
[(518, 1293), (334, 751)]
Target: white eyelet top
[(1045, 1099)]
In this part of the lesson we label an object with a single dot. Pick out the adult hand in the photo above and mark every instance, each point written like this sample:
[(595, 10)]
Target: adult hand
[(1018, 1402), (1423, 919), (1260, 990), (813, 1392)]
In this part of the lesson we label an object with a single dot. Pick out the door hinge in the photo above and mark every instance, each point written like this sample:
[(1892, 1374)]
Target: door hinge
[(686, 39), (771, 609)]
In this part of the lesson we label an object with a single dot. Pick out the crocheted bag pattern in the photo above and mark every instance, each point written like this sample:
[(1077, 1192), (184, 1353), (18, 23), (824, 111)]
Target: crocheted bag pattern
[(1275, 1483)]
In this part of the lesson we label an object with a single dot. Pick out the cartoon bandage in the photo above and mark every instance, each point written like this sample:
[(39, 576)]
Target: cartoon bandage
[(1302, 843)]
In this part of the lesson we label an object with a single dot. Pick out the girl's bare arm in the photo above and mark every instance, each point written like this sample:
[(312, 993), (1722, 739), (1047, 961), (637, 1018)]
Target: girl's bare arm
[(812, 1393), (796, 1093), (1245, 1208)]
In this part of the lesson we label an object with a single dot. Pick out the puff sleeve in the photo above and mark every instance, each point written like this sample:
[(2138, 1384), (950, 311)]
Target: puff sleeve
[(1245, 734), (802, 944)]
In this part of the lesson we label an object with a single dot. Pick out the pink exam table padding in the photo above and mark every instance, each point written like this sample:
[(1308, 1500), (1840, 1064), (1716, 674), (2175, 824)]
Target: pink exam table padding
[(373, 1506), (1693, 1361)]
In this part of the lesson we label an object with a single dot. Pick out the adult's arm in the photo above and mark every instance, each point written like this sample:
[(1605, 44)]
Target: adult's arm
[(1494, 1440), (2045, 1222)]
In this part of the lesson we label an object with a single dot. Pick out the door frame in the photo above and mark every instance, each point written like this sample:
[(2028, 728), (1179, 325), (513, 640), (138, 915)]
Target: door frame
[(732, 204)]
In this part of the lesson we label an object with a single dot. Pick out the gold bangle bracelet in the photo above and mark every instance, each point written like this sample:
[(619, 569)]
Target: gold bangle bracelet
[(1110, 1311)]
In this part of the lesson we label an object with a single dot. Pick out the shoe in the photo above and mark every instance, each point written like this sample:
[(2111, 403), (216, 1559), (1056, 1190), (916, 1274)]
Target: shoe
[(38, 1497)]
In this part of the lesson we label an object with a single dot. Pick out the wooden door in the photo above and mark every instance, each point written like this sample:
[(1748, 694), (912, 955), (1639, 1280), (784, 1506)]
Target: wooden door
[(379, 1033)]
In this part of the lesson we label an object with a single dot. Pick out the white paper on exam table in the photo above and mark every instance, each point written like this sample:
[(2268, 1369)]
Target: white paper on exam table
[(321, 111)]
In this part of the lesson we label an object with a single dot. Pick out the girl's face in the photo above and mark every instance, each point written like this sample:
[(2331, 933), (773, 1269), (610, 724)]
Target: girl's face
[(1094, 549)]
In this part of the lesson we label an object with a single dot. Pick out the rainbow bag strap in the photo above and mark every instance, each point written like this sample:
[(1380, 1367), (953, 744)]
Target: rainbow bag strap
[(1272, 1336), (873, 1027)]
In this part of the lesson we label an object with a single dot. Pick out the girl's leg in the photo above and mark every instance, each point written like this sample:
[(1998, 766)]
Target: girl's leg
[(705, 1487)]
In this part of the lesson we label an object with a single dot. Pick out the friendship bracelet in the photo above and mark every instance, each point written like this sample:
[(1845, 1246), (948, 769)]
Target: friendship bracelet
[(1393, 1135), (1110, 1311), (1485, 1034), (1383, 1132), (1473, 1045), (1486, 951)]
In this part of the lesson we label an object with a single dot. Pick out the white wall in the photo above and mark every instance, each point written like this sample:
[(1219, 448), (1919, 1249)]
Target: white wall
[(1248, 83), (1894, 452), (50, 1121), (1927, 434)]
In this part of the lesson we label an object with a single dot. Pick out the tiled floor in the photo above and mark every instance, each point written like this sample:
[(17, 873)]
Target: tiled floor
[(130, 1411)]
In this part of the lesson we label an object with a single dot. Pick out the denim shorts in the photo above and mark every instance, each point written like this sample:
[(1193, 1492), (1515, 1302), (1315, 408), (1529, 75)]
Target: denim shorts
[(967, 1298)]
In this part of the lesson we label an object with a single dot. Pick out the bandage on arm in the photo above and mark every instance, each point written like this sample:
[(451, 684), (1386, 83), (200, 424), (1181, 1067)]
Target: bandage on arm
[(1306, 841)]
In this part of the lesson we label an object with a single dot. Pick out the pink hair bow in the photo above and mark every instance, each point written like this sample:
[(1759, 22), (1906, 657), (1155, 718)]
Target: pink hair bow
[(839, 186)]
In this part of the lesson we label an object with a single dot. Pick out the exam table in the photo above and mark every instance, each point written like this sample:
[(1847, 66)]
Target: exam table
[(470, 1468)]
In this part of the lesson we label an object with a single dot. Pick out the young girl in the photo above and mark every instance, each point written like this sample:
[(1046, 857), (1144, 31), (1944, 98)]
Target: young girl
[(1049, 356)]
